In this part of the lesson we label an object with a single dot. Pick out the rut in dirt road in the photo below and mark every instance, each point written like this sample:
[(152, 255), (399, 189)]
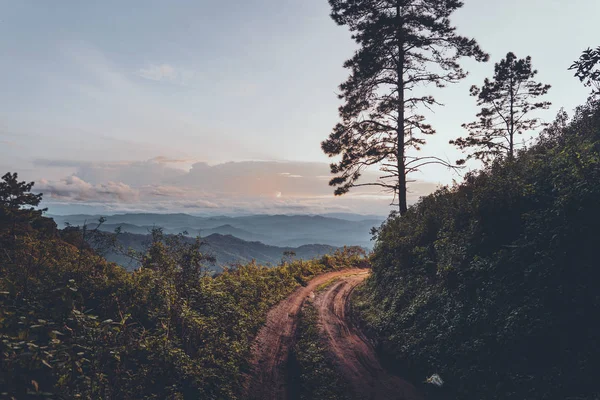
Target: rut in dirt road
[(271, 349), (354, 356)]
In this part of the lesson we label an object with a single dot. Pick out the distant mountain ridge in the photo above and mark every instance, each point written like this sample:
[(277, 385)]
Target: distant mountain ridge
[(335, 230), (227, 249)]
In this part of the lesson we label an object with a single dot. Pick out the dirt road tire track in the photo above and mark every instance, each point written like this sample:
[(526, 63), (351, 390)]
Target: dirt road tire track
[(353, 355), (271, 348)]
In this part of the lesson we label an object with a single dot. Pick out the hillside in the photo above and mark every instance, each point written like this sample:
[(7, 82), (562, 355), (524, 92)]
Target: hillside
[(228, 229), (226, 249), (273, 230), (73, 325), (493, 283), (300, 200)]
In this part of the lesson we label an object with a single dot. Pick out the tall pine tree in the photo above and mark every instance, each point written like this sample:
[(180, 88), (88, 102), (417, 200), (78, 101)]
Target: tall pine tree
[(405, 46), (506, 104)]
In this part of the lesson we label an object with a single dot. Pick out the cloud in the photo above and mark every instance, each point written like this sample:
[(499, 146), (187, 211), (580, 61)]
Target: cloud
[(233, 187), (7, 143), (120, 112), (200, 204), (158, 72), (73, 188), (167, 160), (288, 175), (48, 163), (243, 89), (135, 173), (166, 73), (166, 191)]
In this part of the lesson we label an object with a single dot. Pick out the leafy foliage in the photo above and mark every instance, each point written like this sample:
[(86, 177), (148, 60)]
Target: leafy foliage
[(505, 104), (404, 45), (587, 68), (15, 195), (75, 326), (18, 206), (492, 283)]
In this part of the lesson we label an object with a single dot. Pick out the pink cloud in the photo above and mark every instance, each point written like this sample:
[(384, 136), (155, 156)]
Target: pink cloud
[(250, 187)]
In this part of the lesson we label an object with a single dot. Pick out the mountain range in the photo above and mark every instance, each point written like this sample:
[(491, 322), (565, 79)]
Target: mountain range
[(274, 230), (233, 240)]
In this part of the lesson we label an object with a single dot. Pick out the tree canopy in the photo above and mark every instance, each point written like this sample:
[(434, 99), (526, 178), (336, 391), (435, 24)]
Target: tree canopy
[(404, 47), (486, 281), (587, 69), (16, 197), (506, 102)]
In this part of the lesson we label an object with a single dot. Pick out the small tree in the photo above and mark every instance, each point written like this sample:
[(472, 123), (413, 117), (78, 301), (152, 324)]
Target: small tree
[(288, 257), (17, 203), (587, 69), (404, 46), (506, 102)]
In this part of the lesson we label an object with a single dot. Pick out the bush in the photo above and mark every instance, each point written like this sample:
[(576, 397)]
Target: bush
[(492, 283), (75, 326)]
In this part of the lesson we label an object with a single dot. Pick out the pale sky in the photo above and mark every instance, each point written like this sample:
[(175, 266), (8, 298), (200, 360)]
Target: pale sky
[(123, 84)]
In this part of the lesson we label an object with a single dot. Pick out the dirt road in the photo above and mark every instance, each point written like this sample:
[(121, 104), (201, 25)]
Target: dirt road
[(353, 355), (273, 343)]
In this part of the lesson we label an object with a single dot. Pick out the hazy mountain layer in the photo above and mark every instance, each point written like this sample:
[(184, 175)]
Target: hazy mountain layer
[(228, 250), (273, 230)]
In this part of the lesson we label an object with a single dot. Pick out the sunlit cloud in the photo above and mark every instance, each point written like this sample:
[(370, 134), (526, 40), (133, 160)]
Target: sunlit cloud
[(158, 72), (166, 73), (75, 189), (235, 187)]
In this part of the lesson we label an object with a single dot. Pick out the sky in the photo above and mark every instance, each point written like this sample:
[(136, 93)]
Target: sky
[(218, 105)]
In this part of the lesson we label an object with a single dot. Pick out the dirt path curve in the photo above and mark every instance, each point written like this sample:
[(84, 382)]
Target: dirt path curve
[(355, 357), (272, 345)]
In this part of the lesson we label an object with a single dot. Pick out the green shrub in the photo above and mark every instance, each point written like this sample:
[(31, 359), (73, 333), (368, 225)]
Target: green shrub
[(75, 326), (493, 283)]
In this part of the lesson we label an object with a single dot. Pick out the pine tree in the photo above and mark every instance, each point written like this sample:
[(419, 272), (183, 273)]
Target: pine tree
[(17, 211), (506, 102), (405, 46), (17, 203)]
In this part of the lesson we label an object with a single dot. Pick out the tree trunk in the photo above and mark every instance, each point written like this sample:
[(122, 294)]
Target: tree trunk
[(402, 206), (512, 121)]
